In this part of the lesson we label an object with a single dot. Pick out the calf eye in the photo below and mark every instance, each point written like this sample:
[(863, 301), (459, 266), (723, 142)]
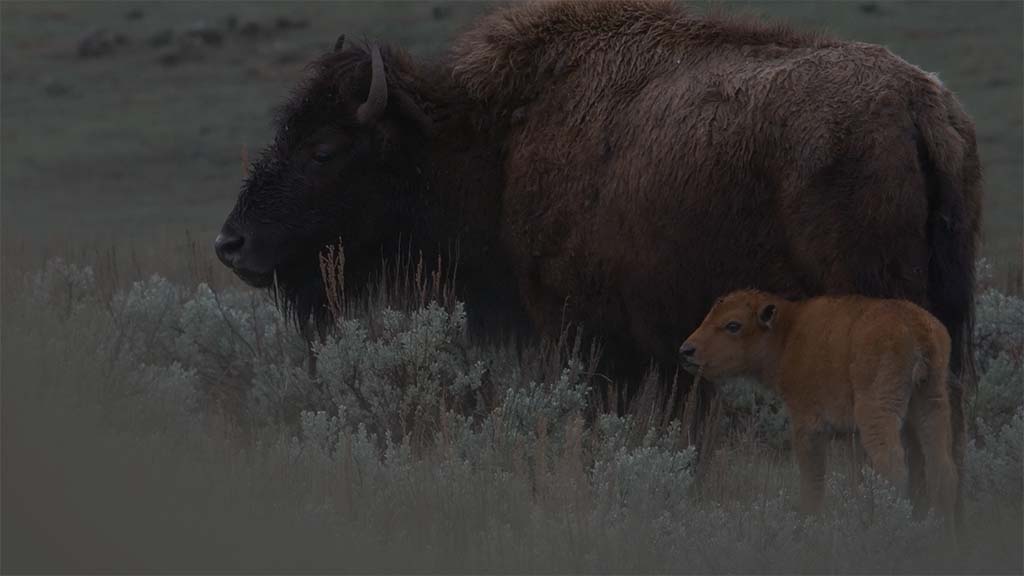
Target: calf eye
[(733, 327)]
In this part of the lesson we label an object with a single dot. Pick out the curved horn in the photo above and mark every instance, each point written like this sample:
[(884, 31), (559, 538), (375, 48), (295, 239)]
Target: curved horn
[(377, 100), (340, 43)]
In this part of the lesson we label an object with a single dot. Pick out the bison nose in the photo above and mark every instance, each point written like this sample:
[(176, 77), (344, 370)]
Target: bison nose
[(687, 350), (228, 247)]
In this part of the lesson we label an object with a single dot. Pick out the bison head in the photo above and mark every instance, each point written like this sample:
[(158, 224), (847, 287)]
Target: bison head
[(341, 167)]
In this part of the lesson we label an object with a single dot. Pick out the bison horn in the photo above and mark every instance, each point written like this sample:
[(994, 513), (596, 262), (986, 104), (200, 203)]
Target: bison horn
[(340, 43), (371, 110)]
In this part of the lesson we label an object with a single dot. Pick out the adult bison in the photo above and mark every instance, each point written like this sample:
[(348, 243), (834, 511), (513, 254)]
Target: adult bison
[(626, 163)]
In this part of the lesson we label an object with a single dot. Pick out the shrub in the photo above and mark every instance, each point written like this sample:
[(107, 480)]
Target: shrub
[(406, 378), (761, 411), (994, 471), (413, 448)]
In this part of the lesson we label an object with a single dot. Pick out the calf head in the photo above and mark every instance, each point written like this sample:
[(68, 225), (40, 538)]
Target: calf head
[(734, 338)]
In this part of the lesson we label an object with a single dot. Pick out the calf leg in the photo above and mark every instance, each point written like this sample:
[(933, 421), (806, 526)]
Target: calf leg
[(929, 416), (810, 446), (916, 469), (880, 435), (883, 380)]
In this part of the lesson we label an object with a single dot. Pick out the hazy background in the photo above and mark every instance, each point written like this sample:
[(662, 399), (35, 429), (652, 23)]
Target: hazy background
[(126, 122)]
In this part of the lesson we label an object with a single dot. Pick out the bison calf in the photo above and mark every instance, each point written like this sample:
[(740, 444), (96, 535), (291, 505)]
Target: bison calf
[(840, 364)]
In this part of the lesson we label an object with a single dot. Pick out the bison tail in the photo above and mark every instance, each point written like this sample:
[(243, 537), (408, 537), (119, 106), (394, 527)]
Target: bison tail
[(950, 158)]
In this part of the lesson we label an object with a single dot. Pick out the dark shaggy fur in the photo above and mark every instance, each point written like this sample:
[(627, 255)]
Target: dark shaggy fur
[(627, 163)]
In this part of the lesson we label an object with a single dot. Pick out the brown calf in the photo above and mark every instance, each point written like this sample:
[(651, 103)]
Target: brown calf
[(840, 364)]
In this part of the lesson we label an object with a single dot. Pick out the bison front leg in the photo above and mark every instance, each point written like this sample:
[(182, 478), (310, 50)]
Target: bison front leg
[(810, 445)]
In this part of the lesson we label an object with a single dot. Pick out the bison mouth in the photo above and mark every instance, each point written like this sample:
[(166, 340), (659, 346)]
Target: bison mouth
[(289, 273), (255, 279)]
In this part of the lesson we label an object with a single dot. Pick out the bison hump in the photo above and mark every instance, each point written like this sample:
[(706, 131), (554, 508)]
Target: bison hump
[(509, 56)]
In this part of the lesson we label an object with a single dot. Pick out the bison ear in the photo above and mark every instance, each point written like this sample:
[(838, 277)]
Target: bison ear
[(340, 43), (410, 110), (766, 315)]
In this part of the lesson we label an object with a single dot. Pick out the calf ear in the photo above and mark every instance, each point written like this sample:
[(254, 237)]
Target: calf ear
[(340, 43), (766, 315)]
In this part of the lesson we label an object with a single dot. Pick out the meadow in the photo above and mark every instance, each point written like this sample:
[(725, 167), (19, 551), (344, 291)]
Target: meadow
[(157, 415), (152, 425)]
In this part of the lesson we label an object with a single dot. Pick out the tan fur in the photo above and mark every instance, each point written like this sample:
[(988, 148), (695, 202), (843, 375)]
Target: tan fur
[(841, 363)]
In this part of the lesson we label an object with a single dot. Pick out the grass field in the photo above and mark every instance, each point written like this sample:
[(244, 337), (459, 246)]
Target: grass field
[(158, 416), (151, 425)]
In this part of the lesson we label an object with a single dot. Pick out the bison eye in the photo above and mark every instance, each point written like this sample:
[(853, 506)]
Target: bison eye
[(323, 153), (733, 327)]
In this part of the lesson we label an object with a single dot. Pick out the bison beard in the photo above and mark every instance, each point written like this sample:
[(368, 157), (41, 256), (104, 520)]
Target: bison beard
[(625, 163)]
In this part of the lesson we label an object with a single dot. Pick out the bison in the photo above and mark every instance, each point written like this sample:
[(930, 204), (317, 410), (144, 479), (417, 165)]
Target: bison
[(622, 164), (841, 363)]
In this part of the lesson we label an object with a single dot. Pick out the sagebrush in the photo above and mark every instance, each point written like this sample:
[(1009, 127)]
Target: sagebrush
[(410, 447)]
